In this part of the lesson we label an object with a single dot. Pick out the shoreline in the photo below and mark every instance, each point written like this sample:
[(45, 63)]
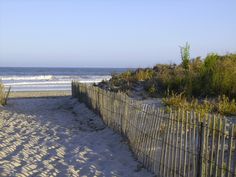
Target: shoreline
[(39, 94)]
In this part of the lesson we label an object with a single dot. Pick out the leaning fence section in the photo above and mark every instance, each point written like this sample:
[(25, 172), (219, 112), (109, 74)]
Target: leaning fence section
[(168, 143)]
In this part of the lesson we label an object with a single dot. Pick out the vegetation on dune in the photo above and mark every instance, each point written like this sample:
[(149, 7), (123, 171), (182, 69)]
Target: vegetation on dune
[(3, 95), (194, 79), (214, 76), (221, 104)]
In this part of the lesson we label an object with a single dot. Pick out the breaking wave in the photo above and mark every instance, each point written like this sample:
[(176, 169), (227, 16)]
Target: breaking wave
[(48, 82)]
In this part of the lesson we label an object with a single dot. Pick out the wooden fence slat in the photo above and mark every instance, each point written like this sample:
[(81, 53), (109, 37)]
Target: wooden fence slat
[(144, 125), (141, 132), (139, 119), (181, 142), (177, 143), (185, 143), (230, 148), (131, 123), (155, 141), (173, 142), (194, 143), (163, 152), (169, 144), (212, 147), (206, 145), (202, 144), (222, 149), (153, 126), (234, 156), (158, 141), (146, 137), (217, 148), (150, 137), (189, 153), (138, 132)]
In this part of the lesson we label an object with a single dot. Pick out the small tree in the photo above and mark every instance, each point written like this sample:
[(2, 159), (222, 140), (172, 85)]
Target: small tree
[(185, 56)]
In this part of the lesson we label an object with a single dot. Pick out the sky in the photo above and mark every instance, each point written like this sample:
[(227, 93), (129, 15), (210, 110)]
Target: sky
[(112, 33)]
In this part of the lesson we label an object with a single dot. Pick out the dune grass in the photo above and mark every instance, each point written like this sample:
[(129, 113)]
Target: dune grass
[(4, 94), (221, 105)]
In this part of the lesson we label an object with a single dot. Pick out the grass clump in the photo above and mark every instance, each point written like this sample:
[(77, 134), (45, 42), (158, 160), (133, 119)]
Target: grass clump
[(3, 95), (226, 106), (222, 105), (180, 101)]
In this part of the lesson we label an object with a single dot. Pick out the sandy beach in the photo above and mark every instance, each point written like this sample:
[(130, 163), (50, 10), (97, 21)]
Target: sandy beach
[(58, 136)]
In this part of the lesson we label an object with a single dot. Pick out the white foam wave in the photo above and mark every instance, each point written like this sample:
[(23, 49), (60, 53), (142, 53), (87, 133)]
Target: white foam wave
[(51, 77), (48, 82), (37, 83), (41, 89), (16, 78)]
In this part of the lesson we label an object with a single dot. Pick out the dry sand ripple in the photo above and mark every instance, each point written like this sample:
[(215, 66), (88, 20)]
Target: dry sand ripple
[(60, 137)]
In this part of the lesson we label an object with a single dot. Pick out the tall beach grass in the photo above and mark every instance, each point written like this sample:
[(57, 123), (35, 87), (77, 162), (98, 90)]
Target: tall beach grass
[(4, 94)]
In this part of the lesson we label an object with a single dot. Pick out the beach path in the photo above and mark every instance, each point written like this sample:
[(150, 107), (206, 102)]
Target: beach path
[(60, 137)]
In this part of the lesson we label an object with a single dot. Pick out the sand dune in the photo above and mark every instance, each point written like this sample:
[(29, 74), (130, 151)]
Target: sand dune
[(60, 137)]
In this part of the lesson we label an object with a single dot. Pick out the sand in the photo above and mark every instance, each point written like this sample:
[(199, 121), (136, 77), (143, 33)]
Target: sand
[(34, 94), (58, 136)]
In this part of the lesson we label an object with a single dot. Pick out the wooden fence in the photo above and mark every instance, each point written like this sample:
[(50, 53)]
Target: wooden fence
[(168, 143)]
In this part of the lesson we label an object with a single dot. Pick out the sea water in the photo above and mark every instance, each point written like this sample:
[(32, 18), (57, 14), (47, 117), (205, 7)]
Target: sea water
[(47, 79)]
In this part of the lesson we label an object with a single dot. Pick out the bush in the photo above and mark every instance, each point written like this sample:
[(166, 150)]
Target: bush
[(218, 75)]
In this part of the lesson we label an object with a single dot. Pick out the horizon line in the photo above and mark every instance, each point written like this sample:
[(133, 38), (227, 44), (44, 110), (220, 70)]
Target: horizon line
[(102, 67)]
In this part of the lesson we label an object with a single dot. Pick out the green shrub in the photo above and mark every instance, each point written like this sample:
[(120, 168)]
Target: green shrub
[(185, 56), (218, 75)]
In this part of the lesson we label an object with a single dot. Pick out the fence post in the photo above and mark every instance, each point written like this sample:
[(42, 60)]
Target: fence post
[(201, 149)]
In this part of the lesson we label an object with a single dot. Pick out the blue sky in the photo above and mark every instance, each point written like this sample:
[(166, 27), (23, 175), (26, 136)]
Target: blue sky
[(112, 33)]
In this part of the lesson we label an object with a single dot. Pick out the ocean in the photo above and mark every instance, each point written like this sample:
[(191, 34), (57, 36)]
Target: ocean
[(49, 79)]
